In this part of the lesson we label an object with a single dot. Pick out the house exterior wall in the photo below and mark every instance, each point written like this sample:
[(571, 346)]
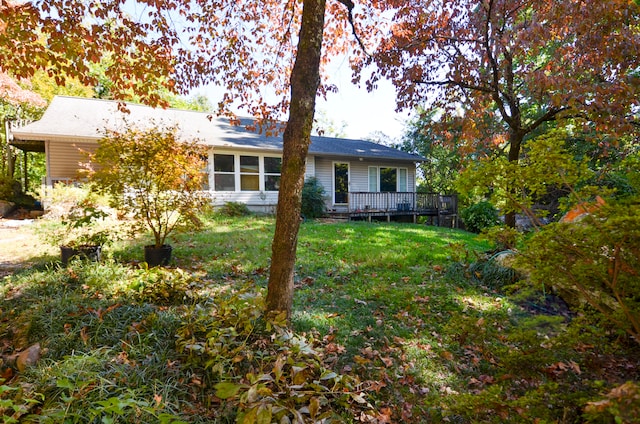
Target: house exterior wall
[(358, 174), (64, 158), (65, 155)]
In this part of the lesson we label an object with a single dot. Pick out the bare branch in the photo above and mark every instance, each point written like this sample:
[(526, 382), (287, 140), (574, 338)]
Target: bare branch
[(460, 84), (349, 5)]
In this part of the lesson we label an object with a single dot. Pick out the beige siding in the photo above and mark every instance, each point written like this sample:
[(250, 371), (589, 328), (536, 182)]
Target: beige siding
[(65, 158)]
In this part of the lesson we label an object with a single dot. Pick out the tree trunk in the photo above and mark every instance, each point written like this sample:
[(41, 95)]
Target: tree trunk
[(515, 142), (305, 79)]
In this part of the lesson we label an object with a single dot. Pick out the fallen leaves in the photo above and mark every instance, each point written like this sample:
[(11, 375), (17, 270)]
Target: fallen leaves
[(560, 368)]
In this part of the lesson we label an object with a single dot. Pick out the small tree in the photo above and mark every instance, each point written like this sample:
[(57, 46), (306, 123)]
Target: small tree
[(152, 176)]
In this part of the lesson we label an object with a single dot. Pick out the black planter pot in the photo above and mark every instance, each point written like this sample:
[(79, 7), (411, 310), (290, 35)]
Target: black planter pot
[(91, 253), (157, 256)]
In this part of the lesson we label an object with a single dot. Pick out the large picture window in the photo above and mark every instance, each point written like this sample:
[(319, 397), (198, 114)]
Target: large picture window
[(246, 172), (388, 179)]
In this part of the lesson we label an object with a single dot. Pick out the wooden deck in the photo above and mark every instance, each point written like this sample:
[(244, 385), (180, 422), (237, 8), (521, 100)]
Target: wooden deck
[(440, 209)]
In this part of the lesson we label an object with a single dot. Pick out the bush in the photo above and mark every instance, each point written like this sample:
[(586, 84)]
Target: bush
[(9, 188), (620, 405), (233, 209), (479, 216), (313, 205), (262, 372), (593, 261)]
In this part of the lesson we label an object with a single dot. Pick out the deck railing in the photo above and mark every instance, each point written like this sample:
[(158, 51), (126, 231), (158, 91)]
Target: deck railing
[(400, 202)]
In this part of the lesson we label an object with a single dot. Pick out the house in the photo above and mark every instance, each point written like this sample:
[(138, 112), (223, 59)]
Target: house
[(359, 177)]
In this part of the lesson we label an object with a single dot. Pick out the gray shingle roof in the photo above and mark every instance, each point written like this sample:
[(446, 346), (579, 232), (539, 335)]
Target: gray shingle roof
[(80, 118)]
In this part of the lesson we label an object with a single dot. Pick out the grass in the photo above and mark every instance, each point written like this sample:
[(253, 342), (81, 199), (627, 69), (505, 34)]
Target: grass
[(402, 314)]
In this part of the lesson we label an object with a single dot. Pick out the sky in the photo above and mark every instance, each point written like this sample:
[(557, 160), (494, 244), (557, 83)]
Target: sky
[(364, 113)]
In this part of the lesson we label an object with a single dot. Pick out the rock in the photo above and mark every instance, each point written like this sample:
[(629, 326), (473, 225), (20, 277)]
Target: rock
[(6, 208), (28, 357), (36, 213)]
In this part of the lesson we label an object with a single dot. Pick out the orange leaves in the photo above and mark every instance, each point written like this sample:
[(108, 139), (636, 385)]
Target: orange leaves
[(560, 368)]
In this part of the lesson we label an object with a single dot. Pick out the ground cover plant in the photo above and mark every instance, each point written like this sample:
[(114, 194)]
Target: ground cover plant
[(391, 322)]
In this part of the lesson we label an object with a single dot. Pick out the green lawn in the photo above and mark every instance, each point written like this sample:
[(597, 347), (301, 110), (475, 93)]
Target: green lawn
[(391, 323)]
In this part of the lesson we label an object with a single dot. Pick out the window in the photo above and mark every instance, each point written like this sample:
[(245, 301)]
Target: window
[(402, 179), (387, 179), (272, 170), (246, 173), (249, 173), (223, 173), (373, 179)]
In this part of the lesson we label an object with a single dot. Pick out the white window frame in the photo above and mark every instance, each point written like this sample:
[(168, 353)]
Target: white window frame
[(237, 173), (402, 181)]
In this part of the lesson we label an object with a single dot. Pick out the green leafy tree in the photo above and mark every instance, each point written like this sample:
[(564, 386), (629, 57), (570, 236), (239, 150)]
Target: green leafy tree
[(546, 165), (443, 161), (18, 104), (522, 64), (153, 176)]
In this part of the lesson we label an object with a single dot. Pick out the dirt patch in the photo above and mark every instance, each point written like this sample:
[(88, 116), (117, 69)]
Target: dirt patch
[(19, 244)]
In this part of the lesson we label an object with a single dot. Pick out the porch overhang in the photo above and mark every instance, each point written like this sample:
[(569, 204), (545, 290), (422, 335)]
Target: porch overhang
[(37, 146)]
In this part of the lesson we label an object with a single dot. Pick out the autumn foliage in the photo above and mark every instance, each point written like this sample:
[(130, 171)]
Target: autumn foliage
[(152, 175)]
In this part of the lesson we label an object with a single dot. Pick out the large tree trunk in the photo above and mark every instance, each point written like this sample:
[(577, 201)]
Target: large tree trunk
[(305, 79)]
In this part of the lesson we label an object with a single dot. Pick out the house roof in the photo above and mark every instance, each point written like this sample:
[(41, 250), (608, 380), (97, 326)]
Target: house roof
[(75, 118)]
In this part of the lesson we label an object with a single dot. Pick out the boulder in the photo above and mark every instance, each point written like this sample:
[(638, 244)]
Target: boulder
[(6, 207)]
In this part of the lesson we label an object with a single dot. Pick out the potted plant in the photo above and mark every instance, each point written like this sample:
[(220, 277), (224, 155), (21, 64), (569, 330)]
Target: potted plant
[(83, 232), (155, 178)]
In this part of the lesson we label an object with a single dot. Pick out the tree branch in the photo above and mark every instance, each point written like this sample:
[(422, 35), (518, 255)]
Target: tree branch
[(550, 115), (349, 5), (460, 84)]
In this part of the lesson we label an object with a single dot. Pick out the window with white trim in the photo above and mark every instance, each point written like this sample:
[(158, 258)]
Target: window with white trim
[(246, 172), (224, 177), (249, 173), (272, 171), (388, 179)]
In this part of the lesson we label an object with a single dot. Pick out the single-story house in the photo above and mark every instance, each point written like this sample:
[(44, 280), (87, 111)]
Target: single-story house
[(243, 165)]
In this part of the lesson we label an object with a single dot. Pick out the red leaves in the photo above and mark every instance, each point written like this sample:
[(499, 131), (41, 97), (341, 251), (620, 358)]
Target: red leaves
[(12, 93)]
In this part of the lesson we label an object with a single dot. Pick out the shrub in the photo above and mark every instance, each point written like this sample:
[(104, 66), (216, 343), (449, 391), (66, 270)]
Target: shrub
[(233, 209), (479, 216), (620, 405), (503, 238), (9, 188), (594, 261), (161, 286), (313, 205), (262, 372)]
